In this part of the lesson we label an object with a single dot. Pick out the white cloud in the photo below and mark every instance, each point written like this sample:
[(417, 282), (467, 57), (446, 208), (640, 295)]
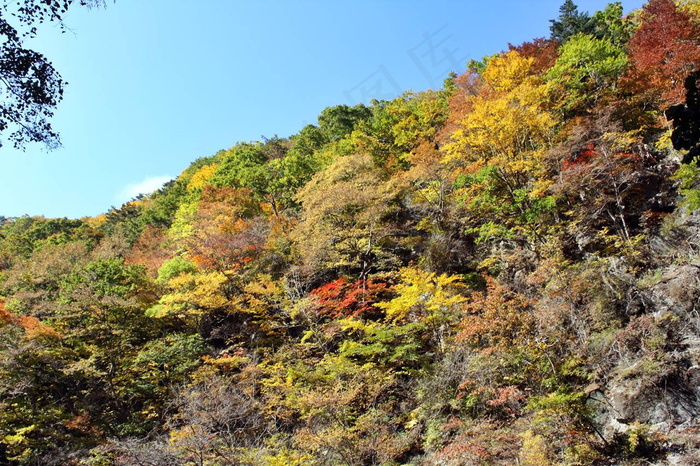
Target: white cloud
[(146, 186)]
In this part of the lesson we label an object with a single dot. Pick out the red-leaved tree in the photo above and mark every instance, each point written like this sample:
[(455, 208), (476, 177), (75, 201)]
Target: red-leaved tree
[(663, 51)]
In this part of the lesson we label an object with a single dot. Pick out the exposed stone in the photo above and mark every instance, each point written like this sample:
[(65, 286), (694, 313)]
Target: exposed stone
[(677, 291), (659, 391)]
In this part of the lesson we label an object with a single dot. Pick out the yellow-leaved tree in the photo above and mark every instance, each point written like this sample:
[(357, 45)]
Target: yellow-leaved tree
[(432, 300), (191, 295), (349, 219), (498, 149)]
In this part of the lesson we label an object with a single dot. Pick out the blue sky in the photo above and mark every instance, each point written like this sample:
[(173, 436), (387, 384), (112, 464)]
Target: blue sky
[(156, 84)]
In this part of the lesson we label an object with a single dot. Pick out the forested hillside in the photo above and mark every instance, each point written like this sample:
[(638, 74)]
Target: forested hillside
[(502, 271)]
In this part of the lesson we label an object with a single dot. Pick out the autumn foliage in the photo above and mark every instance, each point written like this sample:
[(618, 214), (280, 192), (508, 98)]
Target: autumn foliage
[(341, 298), (663, 51), (499, 271)]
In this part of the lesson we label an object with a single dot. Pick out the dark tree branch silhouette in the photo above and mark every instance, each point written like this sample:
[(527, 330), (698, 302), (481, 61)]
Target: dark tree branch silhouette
[(30, 87)]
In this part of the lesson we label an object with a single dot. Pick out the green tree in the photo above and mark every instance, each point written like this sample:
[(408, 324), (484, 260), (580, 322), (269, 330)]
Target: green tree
[(339, 121), (587, 67), (570, 22), (102, 319), (612, 25), (310, 139), (399, 126), (270, 170)]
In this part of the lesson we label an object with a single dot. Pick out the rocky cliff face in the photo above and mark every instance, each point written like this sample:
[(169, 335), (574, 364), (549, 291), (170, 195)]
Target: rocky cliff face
[(653, 389)]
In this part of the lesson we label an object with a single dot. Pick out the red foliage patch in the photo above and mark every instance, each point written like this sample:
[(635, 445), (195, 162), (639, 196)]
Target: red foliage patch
[(587, 156), (82, 423), (663, 51), (151, 250), (5, 316), (581, 158), (544, 51), (341, 298)]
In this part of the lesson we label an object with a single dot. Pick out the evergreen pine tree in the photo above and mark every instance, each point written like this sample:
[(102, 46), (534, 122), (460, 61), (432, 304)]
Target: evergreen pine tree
[(570, 22)]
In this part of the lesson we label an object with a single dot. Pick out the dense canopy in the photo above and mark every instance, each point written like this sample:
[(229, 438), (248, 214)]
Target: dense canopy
[(500, 271)]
